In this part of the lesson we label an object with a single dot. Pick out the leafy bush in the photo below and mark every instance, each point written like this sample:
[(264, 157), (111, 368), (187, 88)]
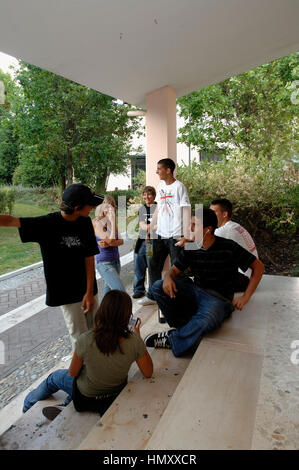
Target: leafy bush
[(264, 193), (140, 182), (140, 179), (17, 176), (128, 193), (49, 198), (7, 199), (34, 171)]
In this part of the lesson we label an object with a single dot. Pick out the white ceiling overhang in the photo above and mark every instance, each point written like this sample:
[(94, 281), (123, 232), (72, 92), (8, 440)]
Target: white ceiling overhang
[(128, 48)]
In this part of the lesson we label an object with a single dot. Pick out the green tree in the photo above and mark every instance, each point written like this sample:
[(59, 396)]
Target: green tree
[(252, 113), (71, 131), (9, 143)]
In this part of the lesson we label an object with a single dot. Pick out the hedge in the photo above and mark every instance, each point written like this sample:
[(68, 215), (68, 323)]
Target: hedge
[(264, 193), (7, 199)]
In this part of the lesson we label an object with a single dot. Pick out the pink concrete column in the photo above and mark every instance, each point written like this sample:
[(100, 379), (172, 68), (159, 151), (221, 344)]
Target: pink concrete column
[(160, 130)]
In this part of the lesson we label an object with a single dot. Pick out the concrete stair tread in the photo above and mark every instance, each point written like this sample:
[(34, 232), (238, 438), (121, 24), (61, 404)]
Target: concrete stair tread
[(222, 388), (235, 379), (30, 430), (70, 428), (29, 425), (237, 391), (131, 419)]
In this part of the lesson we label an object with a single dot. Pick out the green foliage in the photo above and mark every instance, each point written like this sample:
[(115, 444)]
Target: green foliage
[(252, 112), (8, 150), (17, 176), (129, 194), (264, 193), (46, 198), (140, 179), (140, 182), (33, 170), (9, 144), (7, 199), (69, 131)]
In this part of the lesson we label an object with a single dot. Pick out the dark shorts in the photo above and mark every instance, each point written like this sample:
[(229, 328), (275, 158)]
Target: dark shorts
[(98, 404)]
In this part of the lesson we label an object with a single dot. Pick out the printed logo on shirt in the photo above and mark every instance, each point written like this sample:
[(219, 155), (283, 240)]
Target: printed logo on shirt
[(71, 241), (166, 198), (246, 237)]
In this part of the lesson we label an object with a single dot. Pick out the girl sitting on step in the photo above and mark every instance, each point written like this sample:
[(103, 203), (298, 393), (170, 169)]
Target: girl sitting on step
[(101, 360)]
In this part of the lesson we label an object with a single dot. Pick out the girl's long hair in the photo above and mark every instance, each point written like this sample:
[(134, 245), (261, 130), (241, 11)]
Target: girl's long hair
[(111, 321), (107, 201)]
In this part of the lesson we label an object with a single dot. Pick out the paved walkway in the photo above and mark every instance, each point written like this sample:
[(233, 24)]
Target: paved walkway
[(15, 297)]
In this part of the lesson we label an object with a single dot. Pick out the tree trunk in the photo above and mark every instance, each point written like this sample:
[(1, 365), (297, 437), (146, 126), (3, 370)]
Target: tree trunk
[(101, 182), (62, 178), (62, 182), (70, 170)]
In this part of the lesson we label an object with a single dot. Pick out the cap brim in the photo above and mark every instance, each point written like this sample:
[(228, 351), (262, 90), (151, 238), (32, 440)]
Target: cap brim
[(96, 200)]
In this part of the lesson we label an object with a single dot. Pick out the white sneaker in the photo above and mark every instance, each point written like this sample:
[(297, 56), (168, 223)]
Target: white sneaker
[(146, 301)]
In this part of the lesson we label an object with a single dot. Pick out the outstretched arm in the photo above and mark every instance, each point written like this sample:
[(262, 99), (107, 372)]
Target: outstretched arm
[(258, 269), (9, 221)]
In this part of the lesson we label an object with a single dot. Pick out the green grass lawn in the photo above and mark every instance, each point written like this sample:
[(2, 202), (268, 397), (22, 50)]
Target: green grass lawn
[(13, 253)]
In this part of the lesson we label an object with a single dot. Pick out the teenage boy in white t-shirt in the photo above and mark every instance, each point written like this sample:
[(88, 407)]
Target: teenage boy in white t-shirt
[(233, 231), (172, 218)]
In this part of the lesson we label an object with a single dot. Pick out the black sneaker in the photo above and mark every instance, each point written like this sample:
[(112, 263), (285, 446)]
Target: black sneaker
[(138, 295), (51, 412), (158, 340)]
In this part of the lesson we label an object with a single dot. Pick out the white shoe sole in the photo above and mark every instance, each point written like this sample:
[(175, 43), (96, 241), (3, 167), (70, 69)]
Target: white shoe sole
[(147, 302)]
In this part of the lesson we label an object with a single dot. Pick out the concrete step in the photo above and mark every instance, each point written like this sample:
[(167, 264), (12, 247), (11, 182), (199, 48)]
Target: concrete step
[(133, 417), (240, 390), (70, 428), (30, 425), (20, 430)]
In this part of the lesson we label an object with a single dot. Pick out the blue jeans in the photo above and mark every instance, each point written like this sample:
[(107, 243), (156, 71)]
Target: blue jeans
[(140, 265), (193, 312), (58, 380), (162, 247), (110, 270)]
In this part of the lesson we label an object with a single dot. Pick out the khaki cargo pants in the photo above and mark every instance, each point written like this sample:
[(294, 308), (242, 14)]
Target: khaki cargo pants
[(77, 321)]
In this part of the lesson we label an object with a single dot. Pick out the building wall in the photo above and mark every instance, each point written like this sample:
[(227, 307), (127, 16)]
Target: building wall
[(123, 181)]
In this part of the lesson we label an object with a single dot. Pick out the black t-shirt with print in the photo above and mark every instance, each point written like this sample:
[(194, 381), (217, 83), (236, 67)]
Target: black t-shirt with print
[(217, 267), (64, 247), (145, 214)]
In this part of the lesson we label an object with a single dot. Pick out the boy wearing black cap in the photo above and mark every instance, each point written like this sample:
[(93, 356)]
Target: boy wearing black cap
[(68, 246)]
